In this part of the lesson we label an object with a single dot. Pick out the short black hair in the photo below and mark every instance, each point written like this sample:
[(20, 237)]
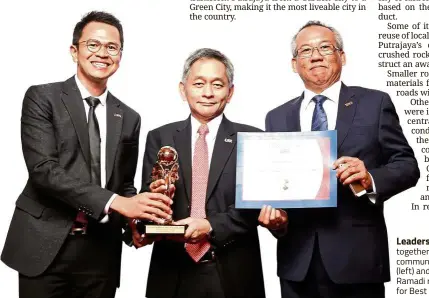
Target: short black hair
[(100, 17)]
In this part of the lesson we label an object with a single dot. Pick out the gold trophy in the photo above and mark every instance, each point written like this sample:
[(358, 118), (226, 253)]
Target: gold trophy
[(167, 168)]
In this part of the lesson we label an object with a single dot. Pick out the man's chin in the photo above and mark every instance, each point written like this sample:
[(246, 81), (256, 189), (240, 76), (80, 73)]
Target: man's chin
[(97, 77), (320, 80), (102, 74), (207, 115)]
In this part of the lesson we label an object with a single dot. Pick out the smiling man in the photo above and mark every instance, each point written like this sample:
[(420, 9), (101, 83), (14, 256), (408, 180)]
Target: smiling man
[(339, 252), (219, 255), (80, 145)]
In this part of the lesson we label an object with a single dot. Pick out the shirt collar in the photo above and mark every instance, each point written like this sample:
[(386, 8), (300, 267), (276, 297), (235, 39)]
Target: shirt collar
[(332, 93), (212, 124), (85, 93)]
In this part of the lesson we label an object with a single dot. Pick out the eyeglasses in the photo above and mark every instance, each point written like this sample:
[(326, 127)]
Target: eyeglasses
[(94, 46), (324, 50)]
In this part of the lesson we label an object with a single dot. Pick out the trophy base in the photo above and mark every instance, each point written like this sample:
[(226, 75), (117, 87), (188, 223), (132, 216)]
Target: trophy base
[(156, 229)]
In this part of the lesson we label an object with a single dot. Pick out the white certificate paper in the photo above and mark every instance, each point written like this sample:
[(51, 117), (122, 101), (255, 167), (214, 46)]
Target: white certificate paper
[(286, 170)]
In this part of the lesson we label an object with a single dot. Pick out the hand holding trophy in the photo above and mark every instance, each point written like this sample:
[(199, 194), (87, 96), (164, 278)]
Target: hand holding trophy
[(164, 175)]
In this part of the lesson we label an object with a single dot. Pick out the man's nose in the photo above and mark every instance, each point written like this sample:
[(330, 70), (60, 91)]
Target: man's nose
[(316, 54), (102, 52), (208, 91)]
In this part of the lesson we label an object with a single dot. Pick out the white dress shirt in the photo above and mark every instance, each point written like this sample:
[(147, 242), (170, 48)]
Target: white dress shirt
[(100, 113), (213, 126), (331, 108)]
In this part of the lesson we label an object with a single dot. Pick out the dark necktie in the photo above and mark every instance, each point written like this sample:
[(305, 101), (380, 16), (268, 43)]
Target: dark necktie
[(81, 220), (94, 140), (319, 120)]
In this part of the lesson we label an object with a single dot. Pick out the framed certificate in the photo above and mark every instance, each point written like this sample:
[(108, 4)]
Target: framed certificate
[(286, 169)]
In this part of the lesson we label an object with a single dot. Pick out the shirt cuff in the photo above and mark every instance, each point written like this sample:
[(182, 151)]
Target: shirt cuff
[(105, 219), (372, 196)]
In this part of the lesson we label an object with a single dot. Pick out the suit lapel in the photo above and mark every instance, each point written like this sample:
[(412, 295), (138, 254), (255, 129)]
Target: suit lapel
[(73, 102), (223, 147), (114, 118), (346, 111), (182, 142), (293, 115)]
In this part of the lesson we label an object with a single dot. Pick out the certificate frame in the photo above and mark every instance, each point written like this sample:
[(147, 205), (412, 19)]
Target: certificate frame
[(325, 197)]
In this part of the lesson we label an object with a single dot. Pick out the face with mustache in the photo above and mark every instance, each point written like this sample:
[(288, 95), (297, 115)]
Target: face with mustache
[(318, 72), (206, 89)]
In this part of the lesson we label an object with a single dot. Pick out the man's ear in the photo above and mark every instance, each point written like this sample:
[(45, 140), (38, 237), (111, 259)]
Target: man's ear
[(182, 91), (231, 92), (293, 61), (73, 53), (343, 58)]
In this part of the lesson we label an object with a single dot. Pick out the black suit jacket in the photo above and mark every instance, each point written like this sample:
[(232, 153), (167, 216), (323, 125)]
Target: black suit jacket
[(236, 239), (55, 144), (352, 237)]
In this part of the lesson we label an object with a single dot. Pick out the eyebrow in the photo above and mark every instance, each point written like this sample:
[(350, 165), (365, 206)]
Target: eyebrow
[(102, 42), (211, 79)]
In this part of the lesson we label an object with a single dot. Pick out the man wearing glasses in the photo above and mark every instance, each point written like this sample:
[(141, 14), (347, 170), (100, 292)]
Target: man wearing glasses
[(339, 252), (80, 145)]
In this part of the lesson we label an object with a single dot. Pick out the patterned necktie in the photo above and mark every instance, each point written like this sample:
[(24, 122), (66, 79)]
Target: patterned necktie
[(94, 146), (319, 120), (200, 175)]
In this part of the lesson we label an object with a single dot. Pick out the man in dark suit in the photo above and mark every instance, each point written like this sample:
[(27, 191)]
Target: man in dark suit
[(343, 251), (221, 255), (80, 145)]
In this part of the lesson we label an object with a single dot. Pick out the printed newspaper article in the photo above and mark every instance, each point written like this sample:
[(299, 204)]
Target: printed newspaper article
[(382, 61)]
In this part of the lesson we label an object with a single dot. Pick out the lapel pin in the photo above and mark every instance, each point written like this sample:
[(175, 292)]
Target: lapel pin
[(117, 115), (347, 104), (228, 140)]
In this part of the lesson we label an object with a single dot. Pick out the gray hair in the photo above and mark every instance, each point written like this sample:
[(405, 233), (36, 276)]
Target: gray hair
[(338, 38), (206, 53)]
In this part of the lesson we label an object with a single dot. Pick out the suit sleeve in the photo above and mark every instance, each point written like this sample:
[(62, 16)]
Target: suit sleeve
[(149, 159), (129, 189), (400, 170), (231, 225), (41, 156), (268, 126)]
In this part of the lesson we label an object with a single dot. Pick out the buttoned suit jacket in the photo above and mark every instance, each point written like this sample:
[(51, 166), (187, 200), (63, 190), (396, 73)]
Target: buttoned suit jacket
[(235, 238), (352, 237), (55, 143)]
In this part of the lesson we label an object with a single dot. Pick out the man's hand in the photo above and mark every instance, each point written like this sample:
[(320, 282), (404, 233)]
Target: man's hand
[(272, 218), (159, 186), (149, 206), (139, 240), (352, 169), (198, 228)]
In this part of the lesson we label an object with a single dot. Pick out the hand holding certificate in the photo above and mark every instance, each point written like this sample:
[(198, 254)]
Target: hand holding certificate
[(286, 170)]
